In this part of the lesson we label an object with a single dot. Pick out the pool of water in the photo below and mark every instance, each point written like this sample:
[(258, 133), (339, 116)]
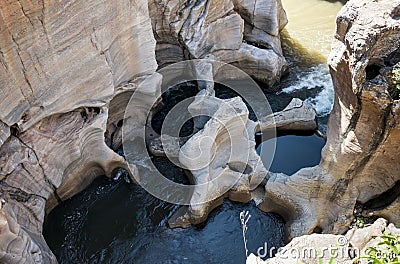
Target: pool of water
[(119, 222), (292, 152)]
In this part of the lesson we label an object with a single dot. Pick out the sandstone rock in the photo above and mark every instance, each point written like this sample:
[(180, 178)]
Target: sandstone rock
[(57, 57), (262, 64), (360, 237), (391, 212), (4, 133), (322, 248), (53, 160), (221, 157), (17, 245), (264, 19), (297, 115), (313, 249), (360, 159), (199, 29), (60, 65)]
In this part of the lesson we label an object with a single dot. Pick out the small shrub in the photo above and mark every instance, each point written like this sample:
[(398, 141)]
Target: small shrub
[(387, 251), (361, 221)]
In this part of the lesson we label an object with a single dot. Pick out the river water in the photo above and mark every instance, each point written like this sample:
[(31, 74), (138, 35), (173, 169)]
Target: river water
[(117, 222)]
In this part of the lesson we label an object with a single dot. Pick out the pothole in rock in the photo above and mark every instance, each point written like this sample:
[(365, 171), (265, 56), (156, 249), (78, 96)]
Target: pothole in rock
[(293, 152)]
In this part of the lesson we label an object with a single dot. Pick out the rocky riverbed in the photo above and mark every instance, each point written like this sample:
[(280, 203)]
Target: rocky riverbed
[(68, 69)]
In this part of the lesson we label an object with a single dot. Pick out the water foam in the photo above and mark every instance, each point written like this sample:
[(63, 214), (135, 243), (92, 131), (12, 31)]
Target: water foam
[(316, 76)]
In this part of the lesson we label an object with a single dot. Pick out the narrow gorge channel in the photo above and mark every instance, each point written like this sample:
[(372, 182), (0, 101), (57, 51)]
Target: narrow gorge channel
[(114, 221)]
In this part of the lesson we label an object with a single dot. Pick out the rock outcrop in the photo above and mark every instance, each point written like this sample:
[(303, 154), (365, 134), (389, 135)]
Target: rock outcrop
[(56, 57), (297, 116), (360, 160), (221, 157), (243, 33), (67, 69), (53, 160), (322, 248)]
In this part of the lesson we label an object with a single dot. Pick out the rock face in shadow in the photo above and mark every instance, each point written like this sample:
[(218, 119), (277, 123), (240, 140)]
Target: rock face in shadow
[(360, 160), (243, 33)]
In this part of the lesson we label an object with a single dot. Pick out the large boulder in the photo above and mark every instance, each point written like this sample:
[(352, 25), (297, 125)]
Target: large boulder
[(221, 157)]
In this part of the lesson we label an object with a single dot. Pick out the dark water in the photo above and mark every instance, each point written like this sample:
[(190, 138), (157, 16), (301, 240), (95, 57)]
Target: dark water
[(292, 152), (120, 223)]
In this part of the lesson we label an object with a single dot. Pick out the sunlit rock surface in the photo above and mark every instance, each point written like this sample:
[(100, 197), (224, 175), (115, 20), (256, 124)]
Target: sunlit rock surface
[(322, 248), (221, 157), (61, 62), (244, 33), (360, 160)]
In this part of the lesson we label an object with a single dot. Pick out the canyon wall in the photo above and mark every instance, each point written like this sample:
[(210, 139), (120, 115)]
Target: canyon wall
[(68, 68), (359, 171), (60, 65)]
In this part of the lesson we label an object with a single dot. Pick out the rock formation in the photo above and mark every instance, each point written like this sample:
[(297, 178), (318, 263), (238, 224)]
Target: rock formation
[(60, 65), (297, 116), (53, 160), (244, 33), (221, 157), (321, 248), (67, 69), (360, 160)]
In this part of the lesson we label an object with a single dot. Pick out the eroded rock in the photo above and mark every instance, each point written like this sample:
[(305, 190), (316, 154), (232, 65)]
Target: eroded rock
[(323, 248), (57, 57), (360, 159), (49, 163), (297, 115), (221, 157), (200, 29)]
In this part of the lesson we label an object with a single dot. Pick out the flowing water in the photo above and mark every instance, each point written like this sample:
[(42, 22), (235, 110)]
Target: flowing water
[(306, 44), (117, 222)]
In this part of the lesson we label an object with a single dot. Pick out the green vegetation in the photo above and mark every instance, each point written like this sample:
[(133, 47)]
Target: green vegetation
[(361, 221), (387, 251)]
